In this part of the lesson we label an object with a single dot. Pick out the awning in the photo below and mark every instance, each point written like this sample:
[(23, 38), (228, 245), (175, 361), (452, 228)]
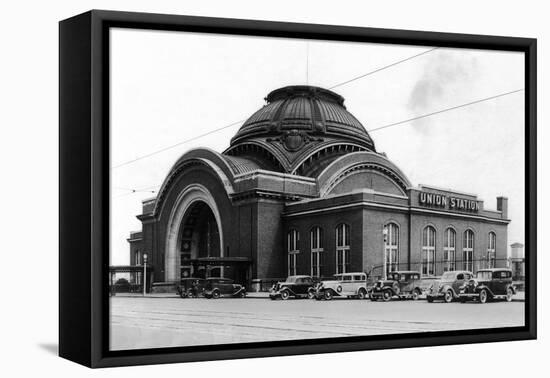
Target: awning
[(218, 261), (129, 268)]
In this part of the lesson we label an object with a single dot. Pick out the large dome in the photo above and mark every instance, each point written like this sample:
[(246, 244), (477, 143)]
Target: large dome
[(297, 125)]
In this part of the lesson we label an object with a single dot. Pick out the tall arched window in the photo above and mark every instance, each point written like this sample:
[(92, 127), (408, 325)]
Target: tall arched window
[(449, 250), (492, 250), (342, 248), (428, 251), (391, 247), (468, 250), (293, 238), (316, 238)]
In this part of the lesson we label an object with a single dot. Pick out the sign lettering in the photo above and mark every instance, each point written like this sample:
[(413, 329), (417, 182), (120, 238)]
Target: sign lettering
[(447, 202)]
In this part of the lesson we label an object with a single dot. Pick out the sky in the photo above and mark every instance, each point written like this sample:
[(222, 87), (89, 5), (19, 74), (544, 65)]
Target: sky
[(169, 87)]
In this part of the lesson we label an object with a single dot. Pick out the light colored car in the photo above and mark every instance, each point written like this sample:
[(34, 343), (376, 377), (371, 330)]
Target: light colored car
[(344, 285), (448, 286)]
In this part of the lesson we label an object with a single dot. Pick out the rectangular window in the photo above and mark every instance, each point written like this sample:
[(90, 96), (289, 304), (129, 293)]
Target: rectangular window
[(316, 236), (292, 264), (342, 264), (293, 237), (449, 250), (391, 247), (468, 251), (342, 248), (491, 250), (428, 251)]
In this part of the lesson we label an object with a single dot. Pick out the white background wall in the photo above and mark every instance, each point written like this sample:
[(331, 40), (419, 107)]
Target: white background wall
[(29, 189)]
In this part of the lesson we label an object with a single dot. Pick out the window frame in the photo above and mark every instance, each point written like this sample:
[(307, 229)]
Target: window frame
[(293, 240), (316, 234), (491, 249), (427, 267), (343, 250), (392, 250), (449, 249), (468, 252)]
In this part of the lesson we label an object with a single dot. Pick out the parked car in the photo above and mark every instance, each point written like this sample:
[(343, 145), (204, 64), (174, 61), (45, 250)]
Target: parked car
[(489, 284), (402, 284), (191, 287), (223, 287), (344, 285), (448, 286), (293, 286)]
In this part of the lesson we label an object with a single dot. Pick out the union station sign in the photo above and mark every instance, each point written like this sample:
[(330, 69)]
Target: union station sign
[(447, 202)]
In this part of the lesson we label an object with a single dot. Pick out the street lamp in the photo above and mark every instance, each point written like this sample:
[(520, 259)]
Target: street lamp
[(385, 234), (144, 273)]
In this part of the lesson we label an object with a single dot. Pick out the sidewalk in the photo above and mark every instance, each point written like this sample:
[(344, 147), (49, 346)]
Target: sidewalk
[(175, 295), (519, 297)]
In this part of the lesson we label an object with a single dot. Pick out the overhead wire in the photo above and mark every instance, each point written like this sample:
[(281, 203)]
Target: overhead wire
[(241, 121)]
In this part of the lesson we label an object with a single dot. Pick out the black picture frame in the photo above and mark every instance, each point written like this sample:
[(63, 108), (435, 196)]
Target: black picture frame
[(84, 186)]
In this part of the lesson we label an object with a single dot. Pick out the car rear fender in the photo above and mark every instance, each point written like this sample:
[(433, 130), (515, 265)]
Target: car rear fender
[(287, 288), (448, 287), (390, 288), (481, 287)]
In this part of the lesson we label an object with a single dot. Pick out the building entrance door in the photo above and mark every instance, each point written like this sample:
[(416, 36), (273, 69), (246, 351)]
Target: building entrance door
[(199, 237)]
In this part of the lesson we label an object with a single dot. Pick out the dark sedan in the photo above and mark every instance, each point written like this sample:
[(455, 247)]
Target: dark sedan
[(223, 287), (293, 286), (489, 284)]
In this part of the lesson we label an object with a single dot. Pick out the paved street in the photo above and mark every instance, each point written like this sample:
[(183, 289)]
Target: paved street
[(138, 322)]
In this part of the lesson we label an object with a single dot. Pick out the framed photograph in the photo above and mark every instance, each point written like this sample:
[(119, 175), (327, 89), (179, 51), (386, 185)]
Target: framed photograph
[(235, 188)]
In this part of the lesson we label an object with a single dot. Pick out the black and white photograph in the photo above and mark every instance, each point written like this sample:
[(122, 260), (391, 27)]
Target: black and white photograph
[(272, 189), (277, 189)]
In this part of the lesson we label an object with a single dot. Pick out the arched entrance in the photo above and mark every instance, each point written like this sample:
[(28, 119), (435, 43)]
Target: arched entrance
[(194, 231), (199, 238)]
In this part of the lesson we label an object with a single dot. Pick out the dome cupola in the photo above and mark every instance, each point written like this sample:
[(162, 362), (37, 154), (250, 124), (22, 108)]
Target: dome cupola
[(297, 125)]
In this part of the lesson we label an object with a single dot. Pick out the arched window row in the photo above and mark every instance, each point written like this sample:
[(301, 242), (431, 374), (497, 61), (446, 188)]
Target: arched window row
[(391, 249)]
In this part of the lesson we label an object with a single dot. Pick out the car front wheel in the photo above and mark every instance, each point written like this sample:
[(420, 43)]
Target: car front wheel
[(449, 296), (387, 295), (509, 294), (328, 295), (483, 296), (310, 294), (362, 294), (416, 294), (216, 294), (285, 295)]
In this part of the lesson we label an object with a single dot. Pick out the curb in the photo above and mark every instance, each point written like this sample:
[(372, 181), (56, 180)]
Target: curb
[(247, 297)]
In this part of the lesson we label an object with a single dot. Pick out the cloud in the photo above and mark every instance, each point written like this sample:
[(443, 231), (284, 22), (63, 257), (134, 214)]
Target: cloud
[(443, 79)]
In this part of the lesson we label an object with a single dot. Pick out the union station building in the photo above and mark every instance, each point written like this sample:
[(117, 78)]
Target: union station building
[(301, 189)]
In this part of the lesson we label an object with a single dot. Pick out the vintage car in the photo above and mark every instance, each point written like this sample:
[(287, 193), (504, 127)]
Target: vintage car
[(402, 284), (191, 287), (448, 286), (223, 287), (489, 284), (293, 286), (350, 285)]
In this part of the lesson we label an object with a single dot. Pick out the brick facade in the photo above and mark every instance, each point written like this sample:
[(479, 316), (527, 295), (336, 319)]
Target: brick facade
[(275, 178)]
